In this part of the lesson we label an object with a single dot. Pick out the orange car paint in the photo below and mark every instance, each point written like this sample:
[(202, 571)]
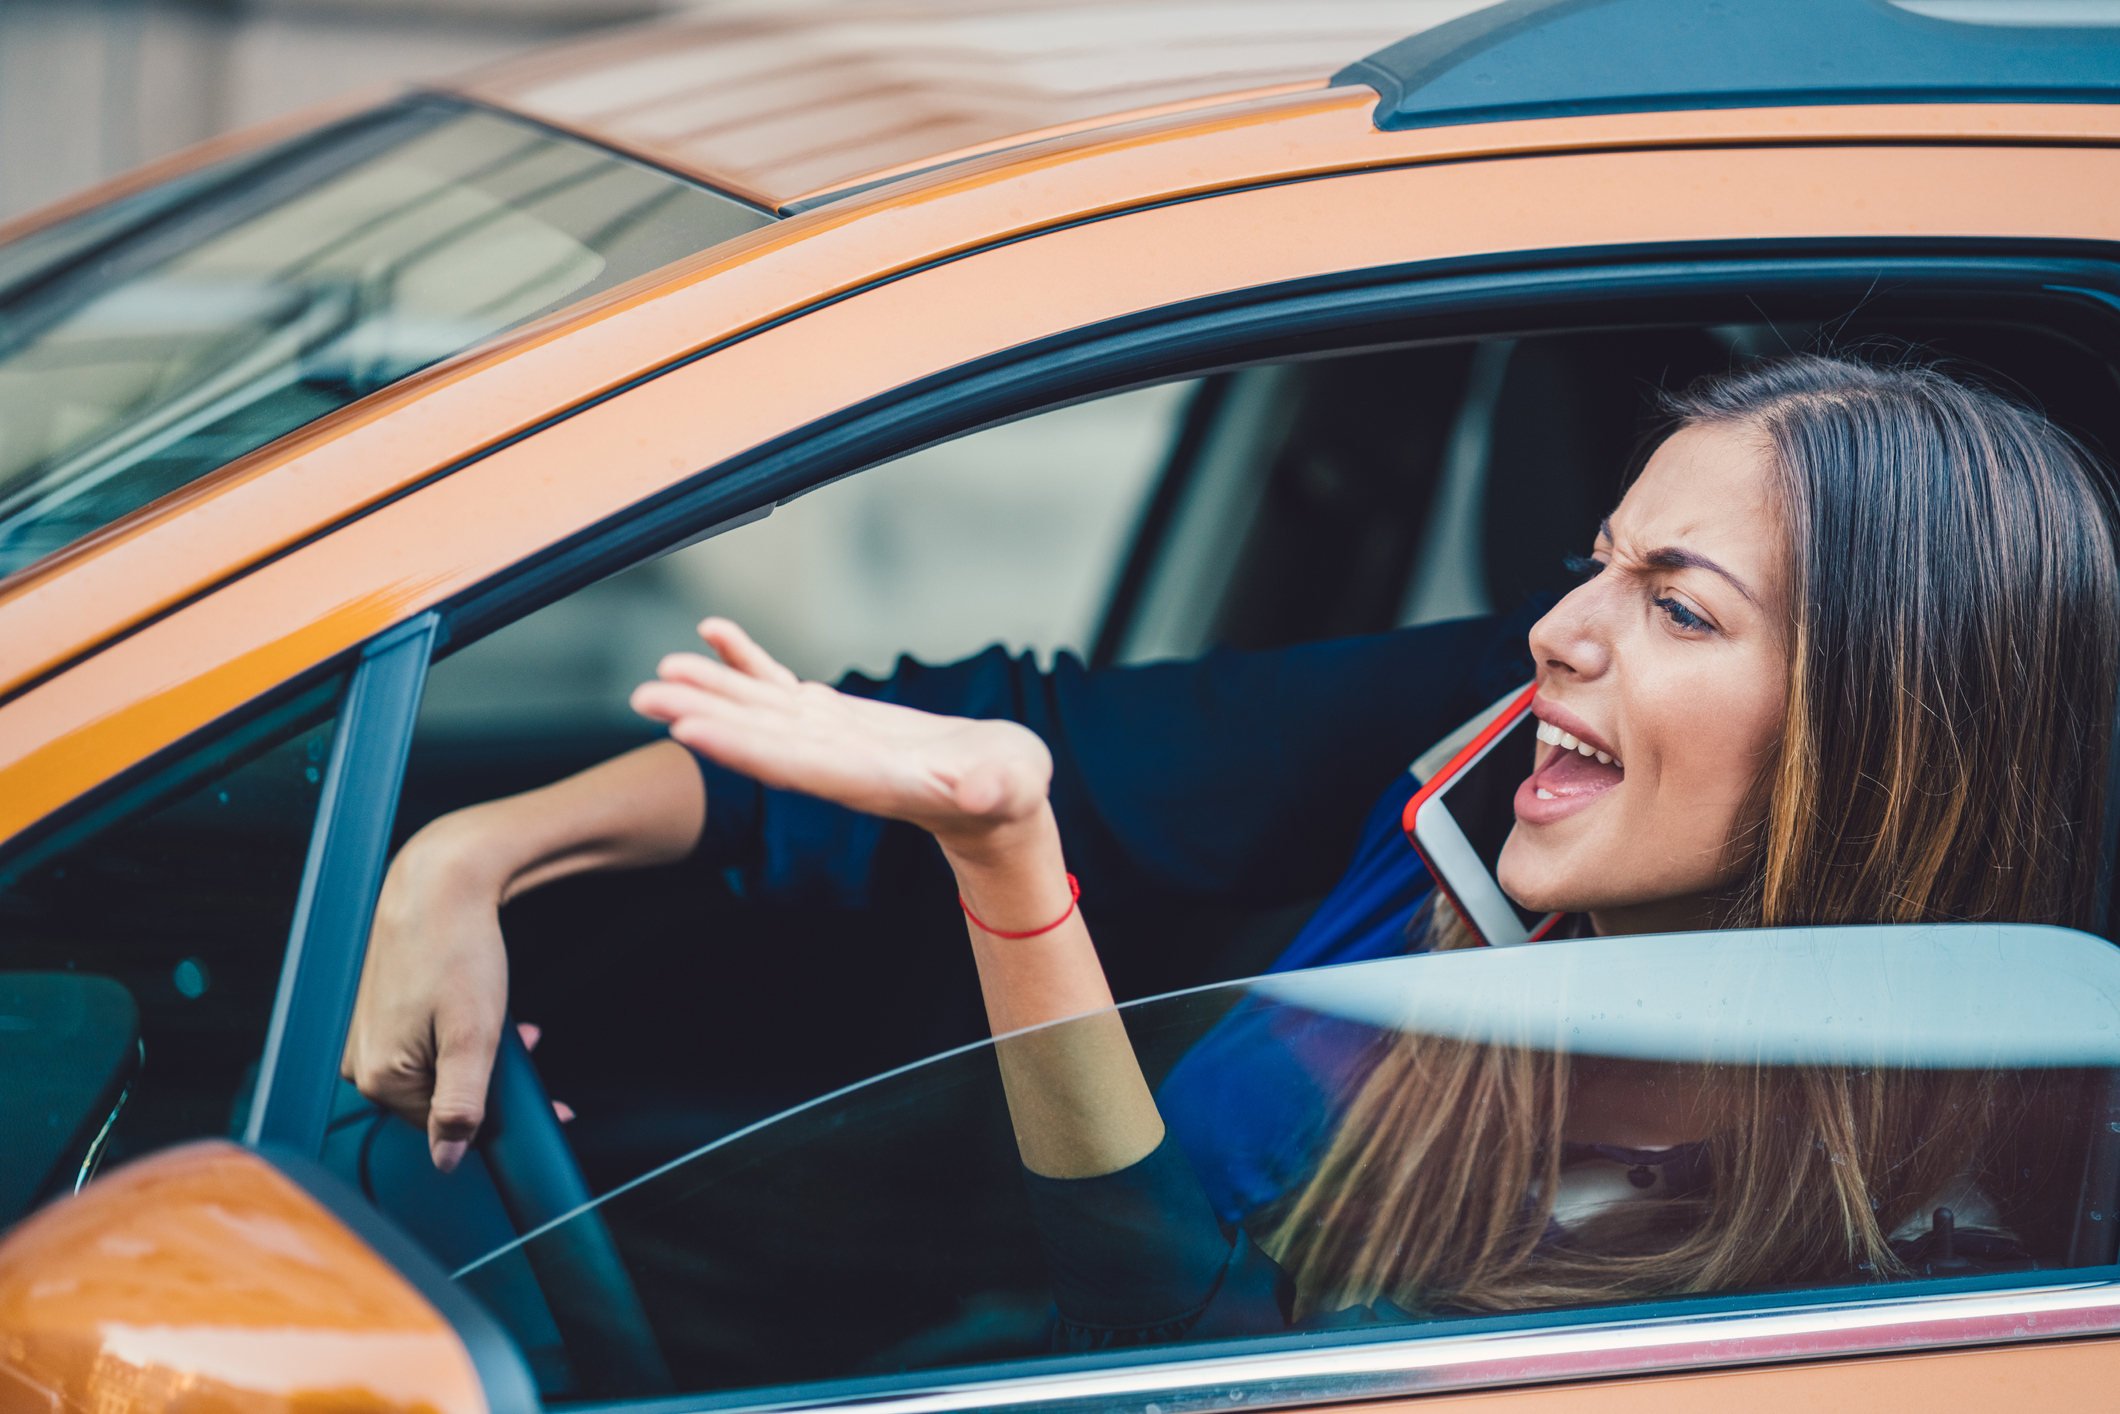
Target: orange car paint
[(282, 494), (201, 1279), (178, 673)]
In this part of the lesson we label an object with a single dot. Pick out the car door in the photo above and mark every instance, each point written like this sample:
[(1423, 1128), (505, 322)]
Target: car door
[(876, 1247), (1544, 361)]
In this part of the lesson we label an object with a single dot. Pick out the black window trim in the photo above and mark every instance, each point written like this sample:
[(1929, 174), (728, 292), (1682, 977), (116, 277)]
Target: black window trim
[(341, 876)]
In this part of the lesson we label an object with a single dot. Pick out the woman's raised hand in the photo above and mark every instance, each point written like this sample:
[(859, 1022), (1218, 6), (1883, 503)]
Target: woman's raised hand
[(1079, 1101), (961, 780)]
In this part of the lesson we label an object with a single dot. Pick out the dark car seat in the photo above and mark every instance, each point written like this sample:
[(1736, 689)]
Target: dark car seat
[(1568, 419), (70, 1047)]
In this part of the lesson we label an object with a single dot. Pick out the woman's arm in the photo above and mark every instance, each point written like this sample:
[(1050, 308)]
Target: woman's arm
[(1076, 1093), (434, 988), (1228, 780), (1136, 1253)]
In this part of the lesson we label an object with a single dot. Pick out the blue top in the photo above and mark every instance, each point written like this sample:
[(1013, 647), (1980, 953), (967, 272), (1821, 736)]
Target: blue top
[(1250, 1103), (1233, 780)]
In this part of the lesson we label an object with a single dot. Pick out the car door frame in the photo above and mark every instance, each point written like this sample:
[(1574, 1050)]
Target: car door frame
[(342, 875)]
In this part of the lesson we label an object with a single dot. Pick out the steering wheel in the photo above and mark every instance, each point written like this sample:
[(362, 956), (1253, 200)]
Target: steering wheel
[(586, 1285)]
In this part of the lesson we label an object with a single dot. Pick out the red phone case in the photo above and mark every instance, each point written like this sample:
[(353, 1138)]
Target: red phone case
[(1472, 752)]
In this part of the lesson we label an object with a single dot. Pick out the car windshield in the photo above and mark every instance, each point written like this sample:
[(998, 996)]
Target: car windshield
[(1391, 1144), (147, 342)]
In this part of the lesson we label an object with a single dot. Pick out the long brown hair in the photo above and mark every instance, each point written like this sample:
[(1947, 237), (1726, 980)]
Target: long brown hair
[(1954, 637)]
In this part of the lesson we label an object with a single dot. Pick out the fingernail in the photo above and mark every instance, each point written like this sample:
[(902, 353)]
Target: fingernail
[(448, 1153), (564, 1110)]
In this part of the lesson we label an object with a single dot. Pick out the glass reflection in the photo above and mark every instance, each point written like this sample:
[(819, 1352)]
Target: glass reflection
[(145, 344), (1417, 1139)]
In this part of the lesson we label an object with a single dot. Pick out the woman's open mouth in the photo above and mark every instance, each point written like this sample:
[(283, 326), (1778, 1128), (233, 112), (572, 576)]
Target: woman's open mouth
[(1570, 775)]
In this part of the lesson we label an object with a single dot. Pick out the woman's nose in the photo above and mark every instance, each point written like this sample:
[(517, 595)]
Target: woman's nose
[(1570, 640)]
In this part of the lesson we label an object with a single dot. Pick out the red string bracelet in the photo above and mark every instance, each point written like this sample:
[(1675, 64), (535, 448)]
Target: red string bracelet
[(1074, 896)]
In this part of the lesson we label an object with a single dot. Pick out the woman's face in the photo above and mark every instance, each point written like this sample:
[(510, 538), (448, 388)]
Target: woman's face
[(1670, 660)]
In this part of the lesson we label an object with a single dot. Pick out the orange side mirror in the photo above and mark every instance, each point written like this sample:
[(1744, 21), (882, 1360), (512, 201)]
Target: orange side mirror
[(206, 1276)]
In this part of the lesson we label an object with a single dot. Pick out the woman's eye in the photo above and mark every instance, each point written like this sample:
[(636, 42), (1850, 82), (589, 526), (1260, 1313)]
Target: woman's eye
[(1681, 615), (1582, 566)]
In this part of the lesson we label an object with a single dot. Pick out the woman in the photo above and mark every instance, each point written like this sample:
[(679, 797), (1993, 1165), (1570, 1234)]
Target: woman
[(1849, 641)]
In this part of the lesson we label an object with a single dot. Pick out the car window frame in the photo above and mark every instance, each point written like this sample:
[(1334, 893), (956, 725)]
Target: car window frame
[(1474, 1353), (1637, 1340)]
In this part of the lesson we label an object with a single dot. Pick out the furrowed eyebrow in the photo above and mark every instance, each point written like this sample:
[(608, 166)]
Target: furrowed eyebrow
[(1671, 557)]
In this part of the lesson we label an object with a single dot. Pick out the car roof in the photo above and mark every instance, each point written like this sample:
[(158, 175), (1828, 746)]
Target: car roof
[(793, 102), (782, 100)]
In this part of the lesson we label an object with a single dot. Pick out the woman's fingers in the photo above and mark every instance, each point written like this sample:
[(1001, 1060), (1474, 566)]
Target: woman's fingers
[(464, 1043), (741, 652), (752, 715), (668, 702), (680, 705), (700, 671)]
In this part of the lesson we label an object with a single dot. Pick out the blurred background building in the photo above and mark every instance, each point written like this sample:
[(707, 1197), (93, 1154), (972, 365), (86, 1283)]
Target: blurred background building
[(90, 88)]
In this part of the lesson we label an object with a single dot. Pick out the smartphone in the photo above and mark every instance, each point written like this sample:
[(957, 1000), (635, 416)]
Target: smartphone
[(1463, 813)]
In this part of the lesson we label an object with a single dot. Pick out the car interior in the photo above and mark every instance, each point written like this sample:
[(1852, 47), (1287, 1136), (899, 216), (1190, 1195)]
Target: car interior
[(1294, 494), (1334, 493), (1314, 487)]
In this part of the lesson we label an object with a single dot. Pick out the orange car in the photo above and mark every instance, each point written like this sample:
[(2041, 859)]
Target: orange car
[(291, 417)]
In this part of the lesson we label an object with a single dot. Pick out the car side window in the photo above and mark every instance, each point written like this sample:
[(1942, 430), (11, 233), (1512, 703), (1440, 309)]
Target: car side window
[(1412, 1141), (1011, 535), (142, 949), (1273, 505)]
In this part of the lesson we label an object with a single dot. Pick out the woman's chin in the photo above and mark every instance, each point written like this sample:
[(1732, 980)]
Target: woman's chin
[(1530, 879)]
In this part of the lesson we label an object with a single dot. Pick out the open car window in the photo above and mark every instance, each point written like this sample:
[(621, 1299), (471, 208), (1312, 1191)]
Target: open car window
[(146, 343), (1851, 1108)]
